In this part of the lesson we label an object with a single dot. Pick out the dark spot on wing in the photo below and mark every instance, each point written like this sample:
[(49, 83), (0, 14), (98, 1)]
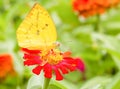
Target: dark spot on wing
[(38, 32), (46, 24)]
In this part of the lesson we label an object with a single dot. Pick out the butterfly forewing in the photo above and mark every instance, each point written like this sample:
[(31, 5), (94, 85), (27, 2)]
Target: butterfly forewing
[(37, 30)]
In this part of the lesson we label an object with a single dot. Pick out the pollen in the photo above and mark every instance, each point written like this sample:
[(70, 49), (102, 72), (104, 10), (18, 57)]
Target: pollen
[(52, 56)]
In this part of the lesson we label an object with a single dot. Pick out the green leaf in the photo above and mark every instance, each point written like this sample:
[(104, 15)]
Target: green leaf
[(96, 83), (35, 82), (116, 59), (111, 45), (62, 85), (115, 83), (52, 86), (66, 12), (57, 85)]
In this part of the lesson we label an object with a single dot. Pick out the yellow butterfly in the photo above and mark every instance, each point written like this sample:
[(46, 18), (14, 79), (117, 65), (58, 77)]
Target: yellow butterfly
[(37, 31)]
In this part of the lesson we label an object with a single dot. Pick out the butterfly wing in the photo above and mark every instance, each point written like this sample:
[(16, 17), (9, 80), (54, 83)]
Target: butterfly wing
[(37, 31)]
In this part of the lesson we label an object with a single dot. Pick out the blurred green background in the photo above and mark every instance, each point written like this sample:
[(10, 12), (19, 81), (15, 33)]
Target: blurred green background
[(98, 47)]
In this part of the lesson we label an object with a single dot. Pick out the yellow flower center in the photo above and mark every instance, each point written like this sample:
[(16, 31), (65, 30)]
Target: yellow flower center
[(52, 56)]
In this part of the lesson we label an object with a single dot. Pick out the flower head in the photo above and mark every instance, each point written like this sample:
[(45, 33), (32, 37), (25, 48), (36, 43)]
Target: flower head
[(52, 61), (6, 65), (92, 7)]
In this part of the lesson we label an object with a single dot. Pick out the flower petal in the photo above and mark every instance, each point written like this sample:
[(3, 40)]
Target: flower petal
[(70, 67), (66, 54), (48, 70), (31, 62), (37, 70), (30, 51), (63, 69), (80, 64), (69, 60), (31, 56), (58, 74)]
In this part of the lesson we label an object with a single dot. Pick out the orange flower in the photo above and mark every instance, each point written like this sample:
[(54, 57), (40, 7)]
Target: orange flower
[(6, 66), (92, 7)]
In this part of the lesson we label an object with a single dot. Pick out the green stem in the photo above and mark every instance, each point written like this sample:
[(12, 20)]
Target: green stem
[(96, 25), (46, 83)]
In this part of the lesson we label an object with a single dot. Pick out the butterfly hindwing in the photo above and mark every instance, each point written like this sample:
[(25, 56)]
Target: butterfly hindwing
[(37, 30)]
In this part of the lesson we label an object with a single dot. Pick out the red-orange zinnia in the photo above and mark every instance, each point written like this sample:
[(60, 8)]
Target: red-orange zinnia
[(92, 7), (52, 61), (6, 65)]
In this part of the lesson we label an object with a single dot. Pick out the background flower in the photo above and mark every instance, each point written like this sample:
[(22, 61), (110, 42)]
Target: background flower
[(6, 65), (92, 7)]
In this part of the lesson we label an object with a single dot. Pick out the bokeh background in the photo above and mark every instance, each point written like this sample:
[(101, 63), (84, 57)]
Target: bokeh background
[(95, 39)]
